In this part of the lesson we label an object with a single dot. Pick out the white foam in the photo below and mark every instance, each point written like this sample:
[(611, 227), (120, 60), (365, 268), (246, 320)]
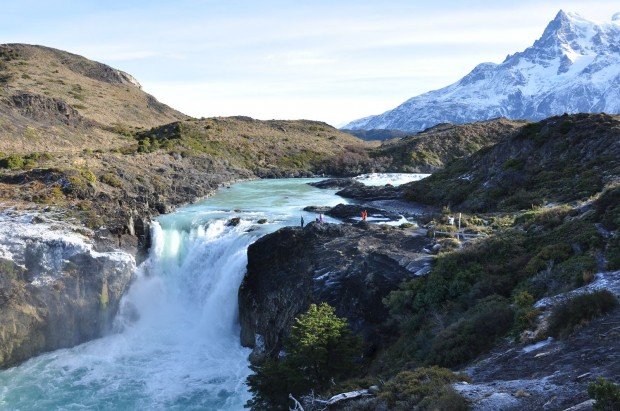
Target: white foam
[(395, 179)]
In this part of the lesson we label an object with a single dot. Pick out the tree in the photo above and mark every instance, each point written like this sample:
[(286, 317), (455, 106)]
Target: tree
[(320, 349)]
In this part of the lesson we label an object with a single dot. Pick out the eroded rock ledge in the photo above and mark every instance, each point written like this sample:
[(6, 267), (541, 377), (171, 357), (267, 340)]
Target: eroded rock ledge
[(351, 267), (56, 291)]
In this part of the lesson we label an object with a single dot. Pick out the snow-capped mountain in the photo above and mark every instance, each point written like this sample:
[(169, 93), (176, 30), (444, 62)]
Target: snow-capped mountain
[(573, 67)]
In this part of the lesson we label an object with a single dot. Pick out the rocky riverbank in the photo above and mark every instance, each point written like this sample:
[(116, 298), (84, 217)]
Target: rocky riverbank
[(501, 306), (56, 289)]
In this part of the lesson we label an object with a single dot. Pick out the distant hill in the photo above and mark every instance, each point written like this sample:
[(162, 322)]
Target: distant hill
[(379, 135), (267, 148), (574, 67), (560, 159), (53, 100), (431, 149)]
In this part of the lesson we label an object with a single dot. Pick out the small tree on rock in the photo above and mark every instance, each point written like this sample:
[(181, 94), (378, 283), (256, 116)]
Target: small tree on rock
[(319, 350)]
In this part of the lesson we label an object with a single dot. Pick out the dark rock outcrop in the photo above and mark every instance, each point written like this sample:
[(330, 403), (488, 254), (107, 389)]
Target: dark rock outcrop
[(354, 189), (360, 191), (48, 110), (332, 183), (351, 267)]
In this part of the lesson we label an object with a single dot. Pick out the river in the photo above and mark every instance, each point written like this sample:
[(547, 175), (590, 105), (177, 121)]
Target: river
[(176, 338)]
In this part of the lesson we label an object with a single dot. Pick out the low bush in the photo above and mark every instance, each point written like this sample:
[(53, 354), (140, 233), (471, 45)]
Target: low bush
[(472, 335), (547, 217), (580, 310), (525, 315), (552, 253), (606, 394), (111, 180), (88, 175), (12, 162), (424, 389)]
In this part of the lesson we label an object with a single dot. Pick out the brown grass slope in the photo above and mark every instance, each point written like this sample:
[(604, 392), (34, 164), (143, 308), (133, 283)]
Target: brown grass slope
[(431, 149), (267, 148), (52, 100)]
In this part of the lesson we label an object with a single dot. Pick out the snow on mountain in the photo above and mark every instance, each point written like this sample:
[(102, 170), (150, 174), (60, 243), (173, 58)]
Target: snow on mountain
[(573, 67)]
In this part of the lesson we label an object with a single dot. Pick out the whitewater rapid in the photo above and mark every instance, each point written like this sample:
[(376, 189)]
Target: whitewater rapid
[(175, 343), (395, 179)]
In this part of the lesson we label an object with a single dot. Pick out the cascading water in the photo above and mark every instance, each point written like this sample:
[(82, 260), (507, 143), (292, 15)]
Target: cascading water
[(176, 341)]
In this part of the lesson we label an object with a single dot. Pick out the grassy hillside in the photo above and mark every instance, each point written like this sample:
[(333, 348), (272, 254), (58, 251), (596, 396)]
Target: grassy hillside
[(153, 170), (560, 159), (267, 148), (83, 137), (58, 101), (377, 134), (431, 149)]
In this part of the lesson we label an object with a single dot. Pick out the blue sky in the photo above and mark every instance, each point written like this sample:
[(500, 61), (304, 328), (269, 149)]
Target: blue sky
[(325, 60)]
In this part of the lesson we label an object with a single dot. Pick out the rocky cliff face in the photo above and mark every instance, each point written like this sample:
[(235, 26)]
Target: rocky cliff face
[(351, 267), (56, 290)]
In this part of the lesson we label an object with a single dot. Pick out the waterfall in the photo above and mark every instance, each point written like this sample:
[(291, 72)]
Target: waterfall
[(175, 343), (177, 339)]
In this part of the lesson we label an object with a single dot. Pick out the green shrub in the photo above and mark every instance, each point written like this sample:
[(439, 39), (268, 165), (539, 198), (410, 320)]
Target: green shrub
[(613, 253), (579, 310), (88, 175), (472, 335), (514, 164), (111, 180), (424, 389), (608, 207), (566, 126), (550, 253), (547, 217), (526, 315), (13, 162), (606, 394), (144, 146), (575, 271)]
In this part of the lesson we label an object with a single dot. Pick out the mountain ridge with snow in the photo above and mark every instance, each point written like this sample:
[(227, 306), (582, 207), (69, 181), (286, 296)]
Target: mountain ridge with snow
[(571, 68)]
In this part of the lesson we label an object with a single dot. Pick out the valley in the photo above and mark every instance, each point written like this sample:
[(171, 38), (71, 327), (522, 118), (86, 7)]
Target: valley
[(461, 251)]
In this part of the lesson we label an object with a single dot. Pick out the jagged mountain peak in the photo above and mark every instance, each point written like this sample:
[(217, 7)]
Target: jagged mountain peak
[(571, 68)]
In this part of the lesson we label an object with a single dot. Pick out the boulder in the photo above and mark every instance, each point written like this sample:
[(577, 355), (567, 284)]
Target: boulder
[(233, 222)]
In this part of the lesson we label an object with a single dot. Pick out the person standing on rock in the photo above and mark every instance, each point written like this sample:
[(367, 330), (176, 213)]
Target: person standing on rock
[(302, 221), (320, 218)]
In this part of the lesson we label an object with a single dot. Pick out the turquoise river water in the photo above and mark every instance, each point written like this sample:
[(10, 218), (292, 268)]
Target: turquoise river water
[(176, 338)]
